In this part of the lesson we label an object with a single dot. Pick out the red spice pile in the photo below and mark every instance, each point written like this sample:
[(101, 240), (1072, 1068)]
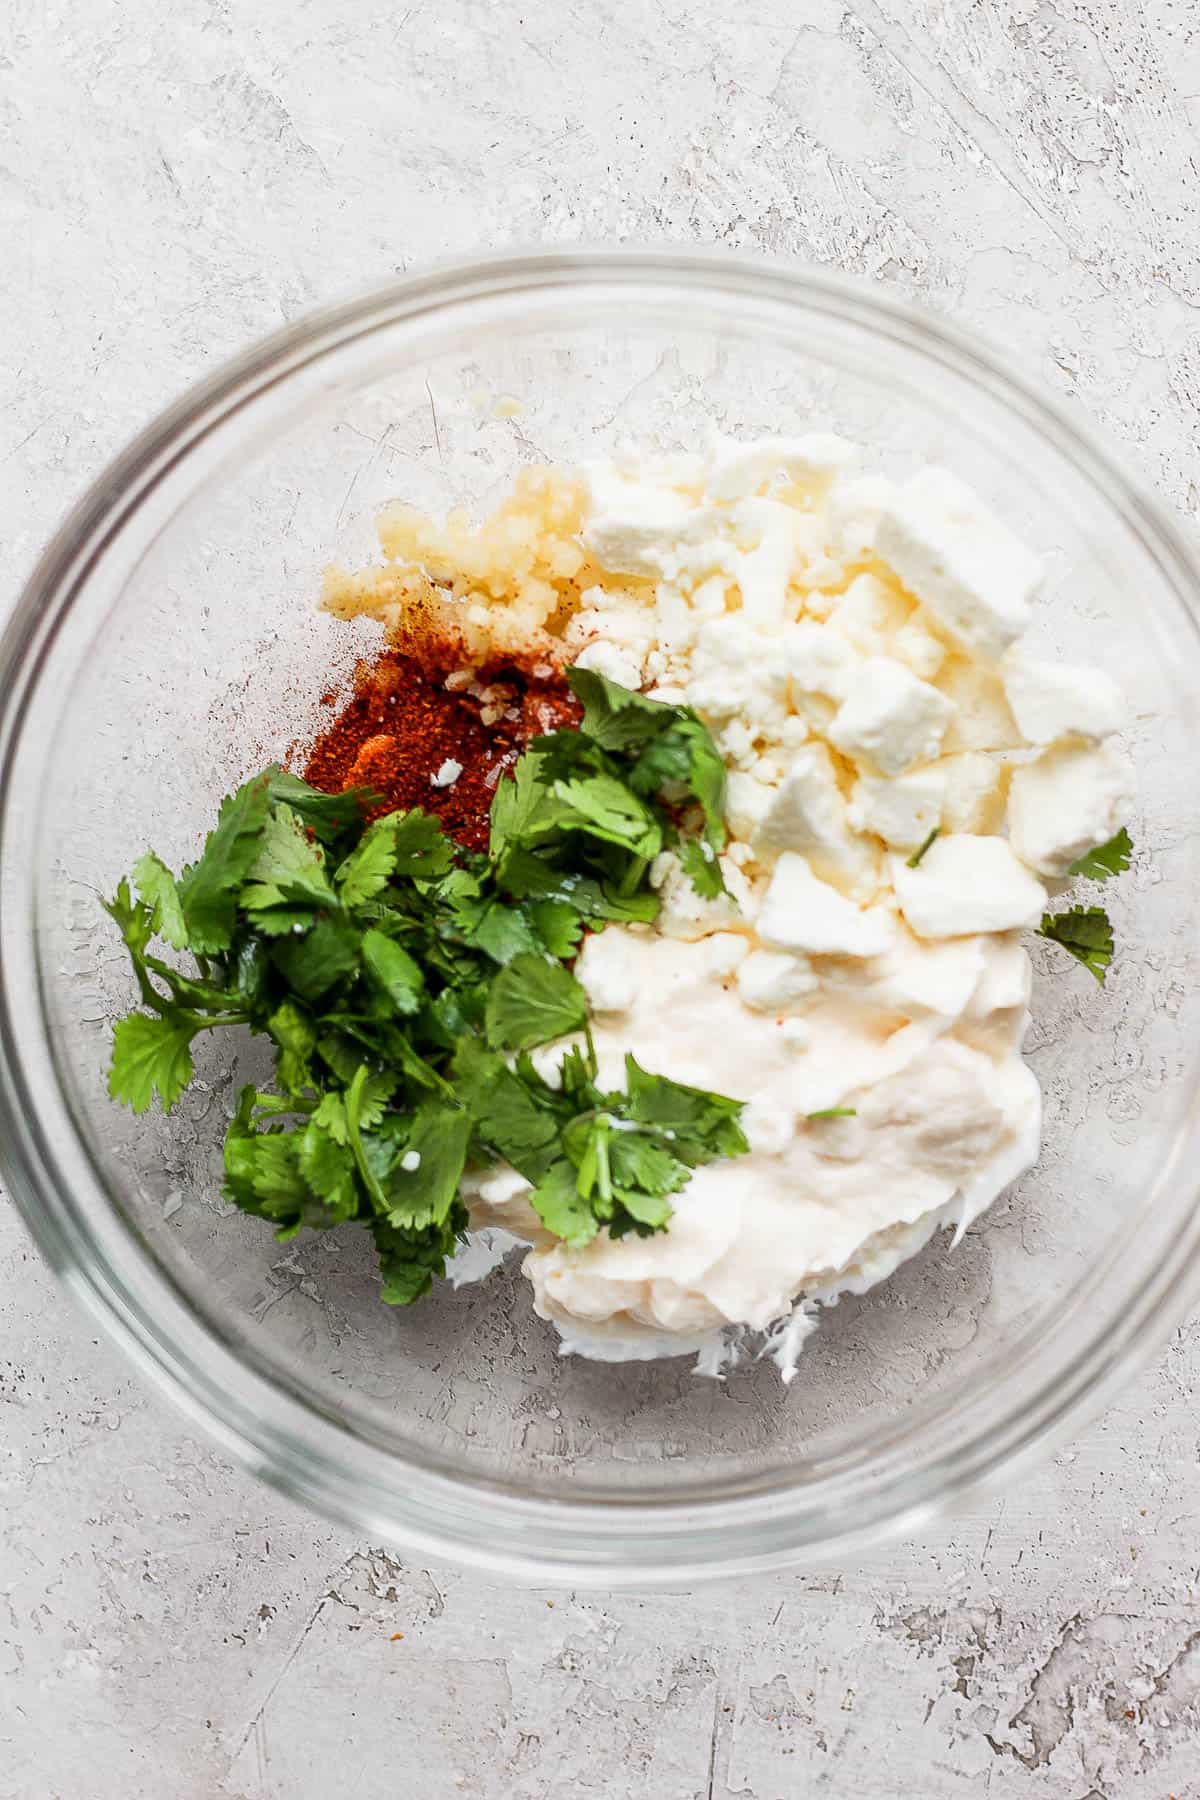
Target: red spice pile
[(404, 724)]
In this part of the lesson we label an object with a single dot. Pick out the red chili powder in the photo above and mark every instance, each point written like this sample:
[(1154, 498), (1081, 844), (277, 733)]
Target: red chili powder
[(404, 725)]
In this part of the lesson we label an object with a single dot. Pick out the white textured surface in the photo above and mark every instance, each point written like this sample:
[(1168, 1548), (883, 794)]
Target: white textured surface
[(174, 182)]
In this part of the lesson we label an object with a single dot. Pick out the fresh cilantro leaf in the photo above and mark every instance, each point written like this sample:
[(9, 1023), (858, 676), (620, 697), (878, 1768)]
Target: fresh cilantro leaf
[(288, 872), (330, 1117), (252, 974), (328, 1168), (156, 886), (1106, 859), (262, 1174), (375, 1092), (499, 931), (149, 1056), (532, 1001), (134, 919), (523, 809), (423, 851), (511, 1119), (209, 889), (617, 718), (371, 865), (394, 973), (340, 1054), (424, 1179), (314, 962), (1086, 932), (915, 859), (561, 1207), (704, 1125), (605, 808), (295, 1039), (685, 757), (700, 865), (558, 925), (409, 1260), (638, 1161), (329, 815), (647, 1212)]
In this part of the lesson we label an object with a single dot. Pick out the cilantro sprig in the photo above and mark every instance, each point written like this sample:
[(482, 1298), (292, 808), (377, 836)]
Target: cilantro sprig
[(403, 982), (1086, 931)]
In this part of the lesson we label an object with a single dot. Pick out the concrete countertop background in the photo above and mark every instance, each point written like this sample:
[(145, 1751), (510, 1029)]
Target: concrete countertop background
[(176, 181)]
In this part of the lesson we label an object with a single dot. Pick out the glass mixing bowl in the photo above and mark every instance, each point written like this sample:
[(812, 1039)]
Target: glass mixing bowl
[(169, 643)]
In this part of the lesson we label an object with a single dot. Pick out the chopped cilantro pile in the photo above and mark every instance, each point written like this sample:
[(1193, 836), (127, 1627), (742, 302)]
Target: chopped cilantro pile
[(403, 983)]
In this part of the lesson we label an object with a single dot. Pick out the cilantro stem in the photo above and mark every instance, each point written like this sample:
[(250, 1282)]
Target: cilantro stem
[(631, 880), (603, 1170), (916, 856)]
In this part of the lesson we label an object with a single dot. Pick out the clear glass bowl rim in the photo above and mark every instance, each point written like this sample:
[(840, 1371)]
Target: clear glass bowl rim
[(1000, 1420)]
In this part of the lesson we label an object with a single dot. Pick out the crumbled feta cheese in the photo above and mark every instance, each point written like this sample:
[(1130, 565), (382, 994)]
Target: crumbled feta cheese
[(890, 719), (747, 803), (1053, 700), (917, 646), (764, 569), (771, 980), (975, 788), (613, 661), (799, 912), (739, 673), (739, 469), (685, 914), (822, 667), (447, 774), (855, 507), (973, 574), (1064, 804), (982, 717), (410, 1162), (632, 524), (808, 814), (869, 614), (966, 884), (902, 809)]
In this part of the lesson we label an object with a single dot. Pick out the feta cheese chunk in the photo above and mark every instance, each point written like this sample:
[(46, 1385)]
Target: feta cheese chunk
[(773, 535), (800, 913), (771, 980), (605, 973), (821, 666), (869, 614), (808, 814), (617, 662), (917, 646), (1053, 700), (973, 574), (632, 523), (855, 508), (890, 719), (1064, 804), (975, 788), (747, 803), (963, 885), (982, 716), (902, 811), (739, 469)]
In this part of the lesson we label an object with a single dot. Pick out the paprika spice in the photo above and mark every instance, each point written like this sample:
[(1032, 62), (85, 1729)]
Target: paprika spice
[(425, 732)]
